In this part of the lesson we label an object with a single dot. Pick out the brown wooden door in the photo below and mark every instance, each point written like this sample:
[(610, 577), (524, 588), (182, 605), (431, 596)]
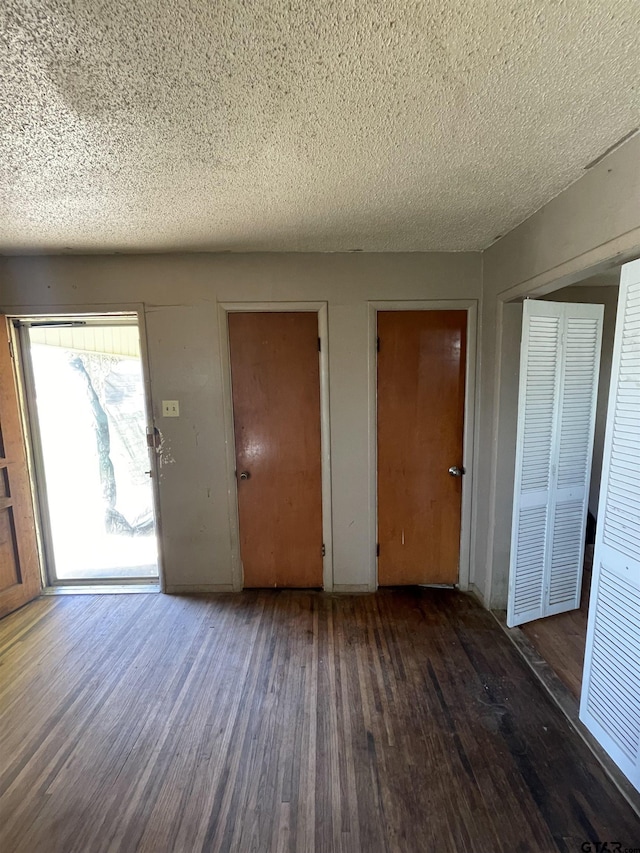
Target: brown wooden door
[(421, 379), (19, 566), (275, 372)]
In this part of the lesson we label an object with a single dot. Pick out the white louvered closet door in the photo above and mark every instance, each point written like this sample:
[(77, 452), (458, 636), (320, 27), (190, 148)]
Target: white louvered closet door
[(610, 703), (559, 365)]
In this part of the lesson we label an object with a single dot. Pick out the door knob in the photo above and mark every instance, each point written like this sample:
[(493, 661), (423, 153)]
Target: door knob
[(244, 475), (455, 471)]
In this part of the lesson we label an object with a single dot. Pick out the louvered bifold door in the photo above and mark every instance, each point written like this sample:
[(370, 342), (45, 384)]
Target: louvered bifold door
[(610, 704), (559, 364), (571, 462)]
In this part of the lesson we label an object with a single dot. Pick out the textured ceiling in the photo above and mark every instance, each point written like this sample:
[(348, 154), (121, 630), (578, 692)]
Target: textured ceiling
[(302, 125)]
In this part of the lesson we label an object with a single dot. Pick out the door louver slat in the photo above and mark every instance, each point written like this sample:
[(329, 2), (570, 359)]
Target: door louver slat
[(610, 704), (560, 359), (566, 552), (614, 687), (541, 378)]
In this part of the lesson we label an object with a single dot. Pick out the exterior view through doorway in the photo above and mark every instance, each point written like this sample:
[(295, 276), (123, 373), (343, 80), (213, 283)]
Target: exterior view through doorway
[(85, 396)]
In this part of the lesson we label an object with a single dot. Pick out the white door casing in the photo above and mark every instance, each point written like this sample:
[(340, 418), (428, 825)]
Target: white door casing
[(559, 367), (610, 702)]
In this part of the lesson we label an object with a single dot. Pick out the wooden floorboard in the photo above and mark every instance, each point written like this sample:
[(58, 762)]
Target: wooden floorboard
[(285, 721), (561, 639)]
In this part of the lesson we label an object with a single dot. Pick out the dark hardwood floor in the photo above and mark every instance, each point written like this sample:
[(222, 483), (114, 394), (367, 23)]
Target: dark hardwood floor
[(561, 639), (286, 721)]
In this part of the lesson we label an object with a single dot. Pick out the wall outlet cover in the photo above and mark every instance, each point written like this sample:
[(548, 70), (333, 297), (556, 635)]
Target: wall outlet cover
[(170, 409)]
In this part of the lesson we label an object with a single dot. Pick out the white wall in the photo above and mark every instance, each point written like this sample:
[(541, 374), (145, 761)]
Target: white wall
[(181, 294), (592, 226)]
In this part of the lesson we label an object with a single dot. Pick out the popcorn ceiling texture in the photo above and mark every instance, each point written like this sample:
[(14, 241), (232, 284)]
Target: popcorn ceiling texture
[(302, 125)]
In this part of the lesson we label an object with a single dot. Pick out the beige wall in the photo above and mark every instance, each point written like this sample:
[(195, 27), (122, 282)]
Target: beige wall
[(607, 296), (181, 294), (592, 226), (505, 438)]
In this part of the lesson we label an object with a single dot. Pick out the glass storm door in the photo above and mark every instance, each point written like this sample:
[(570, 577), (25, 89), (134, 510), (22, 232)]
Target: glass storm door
[(88, 416)]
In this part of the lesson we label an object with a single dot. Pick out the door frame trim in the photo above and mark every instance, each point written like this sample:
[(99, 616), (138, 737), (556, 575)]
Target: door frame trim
[(601, 259), (469, 432), (321, 310), (25, 312)]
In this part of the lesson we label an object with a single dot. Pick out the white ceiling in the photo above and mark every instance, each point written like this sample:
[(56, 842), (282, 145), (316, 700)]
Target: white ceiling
[(302, 125)]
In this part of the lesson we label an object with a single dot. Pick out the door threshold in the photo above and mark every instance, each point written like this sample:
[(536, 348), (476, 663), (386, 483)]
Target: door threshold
[(101, 589)]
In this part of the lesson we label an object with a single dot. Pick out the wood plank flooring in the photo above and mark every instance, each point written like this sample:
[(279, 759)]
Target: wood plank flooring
[(561, 639), (285, 721)]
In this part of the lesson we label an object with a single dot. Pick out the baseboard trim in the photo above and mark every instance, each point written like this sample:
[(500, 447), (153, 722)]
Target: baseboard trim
[(197, 588), (473, 590), (560, 694), (352, 587)]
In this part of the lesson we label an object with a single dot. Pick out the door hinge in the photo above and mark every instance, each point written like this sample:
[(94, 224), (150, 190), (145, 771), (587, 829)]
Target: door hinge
[(319, 345), (153, 438), (377, 549), (378, 344), (324, 550), (13, 358)]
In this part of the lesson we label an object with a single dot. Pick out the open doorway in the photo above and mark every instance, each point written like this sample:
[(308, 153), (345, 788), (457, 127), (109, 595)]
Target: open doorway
[(595, 655), (86, 404), (560, 639)]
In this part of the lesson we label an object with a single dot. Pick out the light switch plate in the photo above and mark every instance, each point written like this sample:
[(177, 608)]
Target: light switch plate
[(170, 409)]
